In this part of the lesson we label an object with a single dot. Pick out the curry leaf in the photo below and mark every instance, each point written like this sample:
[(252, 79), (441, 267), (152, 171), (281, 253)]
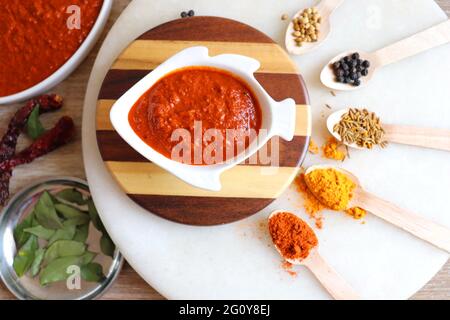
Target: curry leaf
[(94, 216), (92, 272), (45, 212), (69, 212), (57, 269), (19, 235), (71, 195), (40, 232), (34, 126), (81, 233), (36, 265), (77, 221), (25, 256), (63, 248), (67, 232), (87, 257), (106, 245)]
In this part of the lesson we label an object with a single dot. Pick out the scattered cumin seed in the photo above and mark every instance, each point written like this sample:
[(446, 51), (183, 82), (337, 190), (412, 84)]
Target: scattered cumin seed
[(333, 93), (284, 17), (328, 106)]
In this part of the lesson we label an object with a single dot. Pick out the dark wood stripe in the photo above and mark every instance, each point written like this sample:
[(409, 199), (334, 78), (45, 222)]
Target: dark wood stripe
[(200, 211), (113, 148), (279, 86), (206, 29)]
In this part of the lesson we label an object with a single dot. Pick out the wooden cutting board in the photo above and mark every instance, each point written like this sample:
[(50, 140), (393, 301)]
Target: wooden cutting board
[(246, 189)]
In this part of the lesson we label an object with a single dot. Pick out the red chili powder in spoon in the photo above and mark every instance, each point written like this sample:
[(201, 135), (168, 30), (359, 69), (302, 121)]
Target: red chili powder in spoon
[(291, 235)]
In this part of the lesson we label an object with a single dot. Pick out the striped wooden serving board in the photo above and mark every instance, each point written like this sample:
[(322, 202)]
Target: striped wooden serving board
[(246, 189)]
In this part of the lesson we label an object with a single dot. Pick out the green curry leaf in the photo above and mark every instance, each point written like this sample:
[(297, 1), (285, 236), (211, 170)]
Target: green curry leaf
[(19, 235), (40, 232), (106, 245), (92, 272), (67, 232), (63, 248), (25, 256), (36, 265), (81, 233), (45, 212), (34, 126), (71, 195)]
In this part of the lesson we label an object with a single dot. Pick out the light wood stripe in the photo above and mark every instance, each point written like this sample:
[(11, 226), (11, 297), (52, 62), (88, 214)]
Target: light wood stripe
[(240, 181), (302, 127), (148, 54)]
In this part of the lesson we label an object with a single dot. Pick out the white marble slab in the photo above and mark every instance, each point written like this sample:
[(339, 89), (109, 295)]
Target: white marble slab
[(235, 261)]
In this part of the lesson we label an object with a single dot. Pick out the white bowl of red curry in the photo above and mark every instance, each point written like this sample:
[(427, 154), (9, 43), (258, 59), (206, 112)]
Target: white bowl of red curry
[(44, 42), (197, 116)]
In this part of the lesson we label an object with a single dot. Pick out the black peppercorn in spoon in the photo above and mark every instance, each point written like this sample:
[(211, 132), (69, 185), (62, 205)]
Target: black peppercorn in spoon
[(418, 43)]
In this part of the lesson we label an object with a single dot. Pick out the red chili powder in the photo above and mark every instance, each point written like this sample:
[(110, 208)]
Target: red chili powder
[(291, 235)]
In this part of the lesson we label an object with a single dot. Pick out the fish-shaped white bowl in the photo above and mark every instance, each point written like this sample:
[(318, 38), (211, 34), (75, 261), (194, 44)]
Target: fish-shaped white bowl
[(278, 118)]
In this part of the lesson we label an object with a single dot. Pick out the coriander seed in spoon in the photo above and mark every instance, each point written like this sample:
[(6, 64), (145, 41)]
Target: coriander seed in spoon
[(310, 27)]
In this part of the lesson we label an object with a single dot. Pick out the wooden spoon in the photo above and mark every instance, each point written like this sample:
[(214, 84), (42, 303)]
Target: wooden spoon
[(328, 277), (415, 136), (418, 43), (325, 9), (422, 228)]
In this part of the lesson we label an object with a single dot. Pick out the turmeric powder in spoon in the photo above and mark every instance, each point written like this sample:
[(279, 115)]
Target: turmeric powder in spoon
[(331, 187)]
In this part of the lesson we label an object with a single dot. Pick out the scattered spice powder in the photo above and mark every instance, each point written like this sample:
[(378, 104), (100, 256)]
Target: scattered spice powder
[(332, 187), (312, 205), (356, 212), (284, 17), (313, 148), (332, 149), (291, 235), (288, 267)]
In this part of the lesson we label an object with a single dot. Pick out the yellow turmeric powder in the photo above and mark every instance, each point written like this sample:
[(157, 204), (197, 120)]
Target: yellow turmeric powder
[(356, 213), (331, 150), (332, 187), (313, 148), (312, 205)]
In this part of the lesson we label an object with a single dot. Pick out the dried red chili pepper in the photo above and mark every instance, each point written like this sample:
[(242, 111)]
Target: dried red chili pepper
[(59, 135), (16, 125), (8, 143)]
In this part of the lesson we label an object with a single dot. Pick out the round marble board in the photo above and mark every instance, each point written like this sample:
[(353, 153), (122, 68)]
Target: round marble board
[(236, 260), (247, 188)]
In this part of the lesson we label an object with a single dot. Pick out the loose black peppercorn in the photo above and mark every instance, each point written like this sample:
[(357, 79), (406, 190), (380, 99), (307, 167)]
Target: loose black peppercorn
[(350, 69), (191, 13), (184, 14)]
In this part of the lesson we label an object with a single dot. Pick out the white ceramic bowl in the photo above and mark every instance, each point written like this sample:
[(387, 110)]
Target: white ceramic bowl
[(278, 118), (70, 65)]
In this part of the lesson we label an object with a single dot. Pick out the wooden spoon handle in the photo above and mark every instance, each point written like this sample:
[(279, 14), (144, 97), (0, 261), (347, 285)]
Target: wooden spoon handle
[(418, 136), (420, 42), (422, 228), (326, 7), (330, 279)]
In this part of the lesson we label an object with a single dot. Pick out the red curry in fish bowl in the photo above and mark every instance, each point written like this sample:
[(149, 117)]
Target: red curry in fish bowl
[(213, 98), (197, 116)]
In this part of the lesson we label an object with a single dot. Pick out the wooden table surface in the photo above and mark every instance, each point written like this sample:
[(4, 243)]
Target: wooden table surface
[(68, 161)]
